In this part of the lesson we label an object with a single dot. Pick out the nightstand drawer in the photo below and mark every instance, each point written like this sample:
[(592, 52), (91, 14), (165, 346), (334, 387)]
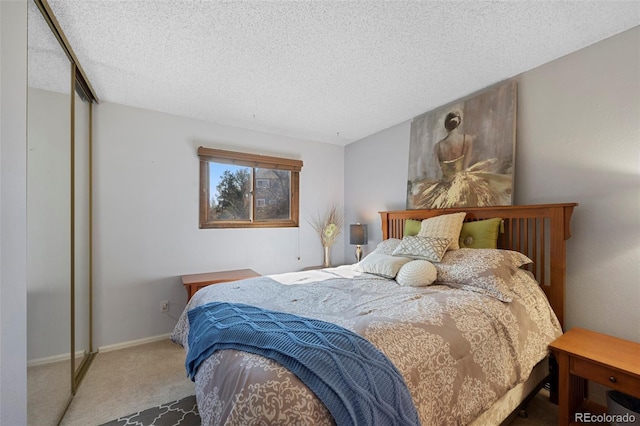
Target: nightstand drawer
[(605, 375)]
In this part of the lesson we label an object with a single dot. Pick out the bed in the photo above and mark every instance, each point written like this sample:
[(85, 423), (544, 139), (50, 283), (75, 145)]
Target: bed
[(459, 366)]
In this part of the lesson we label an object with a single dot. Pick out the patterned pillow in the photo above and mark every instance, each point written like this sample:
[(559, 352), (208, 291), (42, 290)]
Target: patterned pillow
[(383, 265), (426, 248), (487, 271), (417, 273), (386, 246), (444, 226)]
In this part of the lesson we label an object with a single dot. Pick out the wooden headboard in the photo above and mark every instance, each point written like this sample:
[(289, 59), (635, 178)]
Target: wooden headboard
[(538, 231)]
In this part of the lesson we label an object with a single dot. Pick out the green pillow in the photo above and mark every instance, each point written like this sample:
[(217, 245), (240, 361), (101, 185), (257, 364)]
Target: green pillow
[(480, 233), (412, 227)]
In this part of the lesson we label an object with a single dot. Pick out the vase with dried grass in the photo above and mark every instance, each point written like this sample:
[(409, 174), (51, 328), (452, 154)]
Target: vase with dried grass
[(329, 227)]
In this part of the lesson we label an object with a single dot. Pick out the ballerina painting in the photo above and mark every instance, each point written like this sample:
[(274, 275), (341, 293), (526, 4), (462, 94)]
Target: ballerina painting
[(462, 155)]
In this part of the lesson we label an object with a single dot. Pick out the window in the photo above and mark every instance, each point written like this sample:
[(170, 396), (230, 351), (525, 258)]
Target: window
[(262, 183), (240, 190)]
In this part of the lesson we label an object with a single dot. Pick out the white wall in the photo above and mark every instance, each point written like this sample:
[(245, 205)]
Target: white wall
[(13, 170), (587, 149), (376, 179), (578, 140), (146, 215)]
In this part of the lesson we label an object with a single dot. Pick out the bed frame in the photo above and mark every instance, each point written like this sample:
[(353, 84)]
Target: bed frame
[(538, 231)]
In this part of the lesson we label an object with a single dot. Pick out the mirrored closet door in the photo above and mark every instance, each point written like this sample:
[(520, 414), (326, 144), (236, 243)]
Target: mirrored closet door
[(59, 343), (48, 225)]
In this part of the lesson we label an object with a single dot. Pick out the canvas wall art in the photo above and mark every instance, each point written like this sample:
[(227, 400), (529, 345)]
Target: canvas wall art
[(463, 154)]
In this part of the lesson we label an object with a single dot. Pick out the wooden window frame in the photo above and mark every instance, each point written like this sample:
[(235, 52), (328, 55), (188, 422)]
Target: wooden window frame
[(243, 159)]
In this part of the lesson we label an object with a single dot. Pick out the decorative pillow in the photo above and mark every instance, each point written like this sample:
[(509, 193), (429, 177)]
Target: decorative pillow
[(444, 226), (386, 246), (427, 248), (417, 273), (480, 234), (382, 264), (411, 227), (487, 271)]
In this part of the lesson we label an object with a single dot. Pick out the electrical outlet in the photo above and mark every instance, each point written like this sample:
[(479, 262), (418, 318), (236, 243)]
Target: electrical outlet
[(164, 306)]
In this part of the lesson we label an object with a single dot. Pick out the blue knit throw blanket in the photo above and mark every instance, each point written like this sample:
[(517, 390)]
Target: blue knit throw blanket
[(356, 382)]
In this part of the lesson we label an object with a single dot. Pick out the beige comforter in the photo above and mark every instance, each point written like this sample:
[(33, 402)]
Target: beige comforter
[(458, 351)]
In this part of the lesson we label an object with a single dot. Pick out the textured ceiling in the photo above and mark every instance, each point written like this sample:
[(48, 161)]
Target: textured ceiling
[(48, 67), (320, 70)]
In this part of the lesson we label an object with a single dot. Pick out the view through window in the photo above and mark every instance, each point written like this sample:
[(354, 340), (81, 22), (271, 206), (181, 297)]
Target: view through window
[(247, 190)]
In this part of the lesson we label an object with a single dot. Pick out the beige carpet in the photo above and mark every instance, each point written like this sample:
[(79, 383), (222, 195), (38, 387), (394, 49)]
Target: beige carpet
[(49, 391), (128, 380), (125, 381)]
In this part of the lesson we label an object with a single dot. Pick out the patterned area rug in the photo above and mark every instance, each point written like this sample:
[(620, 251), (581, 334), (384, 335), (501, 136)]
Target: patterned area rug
[(183, 412)]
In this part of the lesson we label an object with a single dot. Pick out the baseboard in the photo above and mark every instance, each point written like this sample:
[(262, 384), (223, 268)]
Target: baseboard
[(52, 359), (131, 343)]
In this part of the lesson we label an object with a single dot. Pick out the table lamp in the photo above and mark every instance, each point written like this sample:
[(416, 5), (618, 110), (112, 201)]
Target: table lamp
[(358, 236)]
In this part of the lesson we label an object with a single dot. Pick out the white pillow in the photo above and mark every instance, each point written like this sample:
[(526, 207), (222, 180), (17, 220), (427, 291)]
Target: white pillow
[(417, 273), (382, 264), (444, 226), (386, 246)]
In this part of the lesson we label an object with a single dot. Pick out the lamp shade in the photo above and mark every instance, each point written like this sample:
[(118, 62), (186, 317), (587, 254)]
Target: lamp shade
[(358, 234)]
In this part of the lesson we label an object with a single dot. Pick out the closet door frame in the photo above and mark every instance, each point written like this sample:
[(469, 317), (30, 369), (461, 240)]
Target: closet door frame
[(78, 372)]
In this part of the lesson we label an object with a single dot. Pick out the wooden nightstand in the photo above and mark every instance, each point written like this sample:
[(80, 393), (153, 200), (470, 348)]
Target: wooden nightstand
[(195, 282), (586, 355)]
